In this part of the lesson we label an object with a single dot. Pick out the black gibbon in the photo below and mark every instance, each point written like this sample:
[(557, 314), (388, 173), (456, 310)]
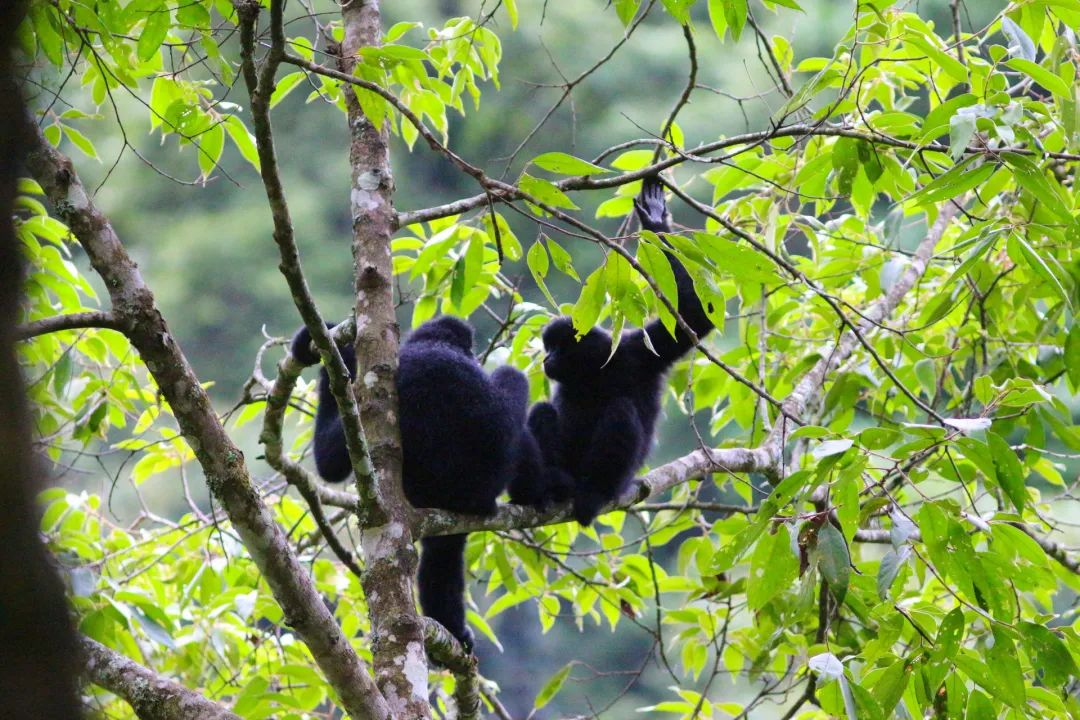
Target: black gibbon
[(600, 423), (464, 440)]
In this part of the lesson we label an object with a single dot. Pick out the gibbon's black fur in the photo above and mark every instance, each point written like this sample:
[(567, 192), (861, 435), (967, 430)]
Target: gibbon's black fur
[(600, 423), (464, 440)]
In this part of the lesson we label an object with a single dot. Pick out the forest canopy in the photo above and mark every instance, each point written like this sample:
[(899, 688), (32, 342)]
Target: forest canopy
[(861, 501)]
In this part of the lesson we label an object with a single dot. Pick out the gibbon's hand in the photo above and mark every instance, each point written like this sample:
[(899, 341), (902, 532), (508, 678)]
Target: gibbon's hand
[(651, 208)]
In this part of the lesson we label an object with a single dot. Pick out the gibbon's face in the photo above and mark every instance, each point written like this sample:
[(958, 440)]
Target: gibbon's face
[(568, 359)]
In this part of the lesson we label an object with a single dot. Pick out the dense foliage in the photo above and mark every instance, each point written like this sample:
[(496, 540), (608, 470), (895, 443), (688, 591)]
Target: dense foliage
[(907, 554)]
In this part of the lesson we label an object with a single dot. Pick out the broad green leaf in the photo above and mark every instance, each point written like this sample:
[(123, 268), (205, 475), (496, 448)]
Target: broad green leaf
[(1004, 665), (773, 568), (1041, 75), (211, 145), (954, 183), (80, 141), (154, 31), (1051, 654), (1009, 471), (552, 686), (564, 164), (284, 86), (244, 140), (890, 567), (834, 562), (1020, 249), (545, 192), (949, 636), (626, 10)]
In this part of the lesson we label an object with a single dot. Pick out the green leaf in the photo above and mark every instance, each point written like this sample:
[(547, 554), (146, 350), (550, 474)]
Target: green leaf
[(512, 12), (552, 686), (891, 685), (735, 12), (537, 259), (154, 31), (591, 302), (1050, 652), (560, 162), (961, 130), (1019, 248), (80, 141), (244, 140), (773, 568), (626, 10), (1041, 75), (949, 636), (211, 145), (562, 259), (545, 192), (889, 568), (62, 373), (1032, 178), (717, 18), (1072, 355), (284, 86), (954, 183), (834, 561), (1009, 471), (1004, 665)]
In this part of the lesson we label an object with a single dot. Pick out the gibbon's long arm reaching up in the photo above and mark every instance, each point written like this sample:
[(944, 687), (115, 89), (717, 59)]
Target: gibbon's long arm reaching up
[(600, 424), (464, 440)]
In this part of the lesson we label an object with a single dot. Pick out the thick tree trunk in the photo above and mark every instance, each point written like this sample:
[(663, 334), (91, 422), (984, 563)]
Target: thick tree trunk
[(389, 554), (38, 653)]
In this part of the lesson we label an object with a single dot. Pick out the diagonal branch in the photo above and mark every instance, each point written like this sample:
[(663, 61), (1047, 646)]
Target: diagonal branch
[(150, 695), (277, 399), (222, 462), (817, 290), (809, 388)]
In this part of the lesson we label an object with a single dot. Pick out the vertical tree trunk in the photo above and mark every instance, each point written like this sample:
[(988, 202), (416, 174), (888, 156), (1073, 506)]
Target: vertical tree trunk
[(390, 557), (38, 653)]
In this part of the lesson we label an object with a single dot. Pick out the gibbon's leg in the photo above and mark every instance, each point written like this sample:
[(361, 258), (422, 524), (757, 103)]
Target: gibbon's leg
[(441, 583), (610, 460)]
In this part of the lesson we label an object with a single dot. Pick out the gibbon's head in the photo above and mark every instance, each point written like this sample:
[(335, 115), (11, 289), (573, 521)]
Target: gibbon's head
[(568, 359), (445, 329)]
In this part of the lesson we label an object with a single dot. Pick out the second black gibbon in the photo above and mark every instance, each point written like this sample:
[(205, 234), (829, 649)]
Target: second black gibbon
[(600, 424), (464, 440)]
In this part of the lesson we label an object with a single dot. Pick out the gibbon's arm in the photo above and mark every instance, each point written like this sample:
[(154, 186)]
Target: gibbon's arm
[(615, 450), (331, 454), (653, 214)]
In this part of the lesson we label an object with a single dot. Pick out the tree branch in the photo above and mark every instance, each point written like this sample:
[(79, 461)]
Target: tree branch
[(651, 485), (445, 649), (260, 86), (597, 182), (222, 462), (73, 321), (277, 399), (150, 695)]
